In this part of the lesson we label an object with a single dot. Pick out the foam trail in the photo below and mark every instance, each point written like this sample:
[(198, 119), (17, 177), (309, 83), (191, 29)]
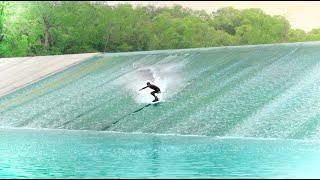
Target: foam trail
[(165, 76), (261, 91)]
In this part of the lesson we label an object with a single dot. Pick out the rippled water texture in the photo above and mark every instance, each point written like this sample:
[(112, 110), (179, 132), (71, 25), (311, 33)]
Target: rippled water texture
[(265, 91), (265, 97), (85, 154)]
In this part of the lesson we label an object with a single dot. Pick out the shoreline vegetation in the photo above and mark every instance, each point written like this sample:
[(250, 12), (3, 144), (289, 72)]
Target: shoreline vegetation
[(69, 27)]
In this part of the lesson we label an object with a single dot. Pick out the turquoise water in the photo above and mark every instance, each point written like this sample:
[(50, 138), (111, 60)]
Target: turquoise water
[(265, 97), (263, 91), (27, 153)]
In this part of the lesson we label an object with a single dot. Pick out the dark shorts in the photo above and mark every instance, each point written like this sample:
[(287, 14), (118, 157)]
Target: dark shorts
[(155, 91)]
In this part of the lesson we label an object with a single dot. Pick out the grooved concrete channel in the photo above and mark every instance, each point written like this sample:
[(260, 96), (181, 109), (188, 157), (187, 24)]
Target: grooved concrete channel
[(21, 71)]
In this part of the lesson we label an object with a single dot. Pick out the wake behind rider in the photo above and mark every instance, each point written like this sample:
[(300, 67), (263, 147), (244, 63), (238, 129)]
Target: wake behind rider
[(155, 88)]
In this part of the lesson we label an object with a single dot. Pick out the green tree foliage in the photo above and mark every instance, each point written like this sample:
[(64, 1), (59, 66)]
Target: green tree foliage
[(296, 35), (313, 35), (3, 15), (64, 27), (2, 6), (259, 28), (15, 39), (227, 19)]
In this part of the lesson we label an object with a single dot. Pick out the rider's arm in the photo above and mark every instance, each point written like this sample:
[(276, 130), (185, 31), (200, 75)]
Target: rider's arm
[(143, 88)]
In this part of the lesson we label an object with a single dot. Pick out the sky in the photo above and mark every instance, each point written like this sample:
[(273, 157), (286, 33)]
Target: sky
[(301, 14)]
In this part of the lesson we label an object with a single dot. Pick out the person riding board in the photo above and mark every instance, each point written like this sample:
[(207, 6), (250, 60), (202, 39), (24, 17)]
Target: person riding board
[(155, 88)]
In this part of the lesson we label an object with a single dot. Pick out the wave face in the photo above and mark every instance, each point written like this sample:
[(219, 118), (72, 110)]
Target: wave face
[(268, 91)]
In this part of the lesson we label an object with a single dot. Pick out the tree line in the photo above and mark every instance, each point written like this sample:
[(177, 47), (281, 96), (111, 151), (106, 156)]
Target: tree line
[(66, 27)]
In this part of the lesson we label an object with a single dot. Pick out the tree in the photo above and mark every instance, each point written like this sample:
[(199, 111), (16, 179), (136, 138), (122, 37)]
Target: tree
[(296, 35), (227, 19), (41, 15), (2, 6), (313, 35), (259, 28), (64, 27)]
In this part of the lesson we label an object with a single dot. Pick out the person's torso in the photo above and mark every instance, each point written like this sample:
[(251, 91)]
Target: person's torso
[(154, 87)]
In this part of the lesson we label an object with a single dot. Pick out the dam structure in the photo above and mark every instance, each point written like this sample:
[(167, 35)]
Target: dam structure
[(256, 91)]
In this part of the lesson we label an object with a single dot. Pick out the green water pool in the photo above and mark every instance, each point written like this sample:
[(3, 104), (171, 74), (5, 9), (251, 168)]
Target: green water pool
[(34, 153)]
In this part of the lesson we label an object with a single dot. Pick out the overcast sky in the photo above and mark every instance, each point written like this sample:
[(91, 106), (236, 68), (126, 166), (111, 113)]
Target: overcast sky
[(301, 14)]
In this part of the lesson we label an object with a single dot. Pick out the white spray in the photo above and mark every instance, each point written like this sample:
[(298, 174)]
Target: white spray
[(166, 76)]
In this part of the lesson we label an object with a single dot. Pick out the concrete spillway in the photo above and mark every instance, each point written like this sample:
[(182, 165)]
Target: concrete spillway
[(18, 72), (269, 91)]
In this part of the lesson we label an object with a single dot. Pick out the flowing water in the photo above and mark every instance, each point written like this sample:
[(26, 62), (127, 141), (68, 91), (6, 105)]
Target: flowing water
[(244, 92), (91, 154)]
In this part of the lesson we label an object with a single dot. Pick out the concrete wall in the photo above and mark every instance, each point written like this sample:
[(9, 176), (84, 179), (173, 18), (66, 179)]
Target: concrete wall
[(19, 72)]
